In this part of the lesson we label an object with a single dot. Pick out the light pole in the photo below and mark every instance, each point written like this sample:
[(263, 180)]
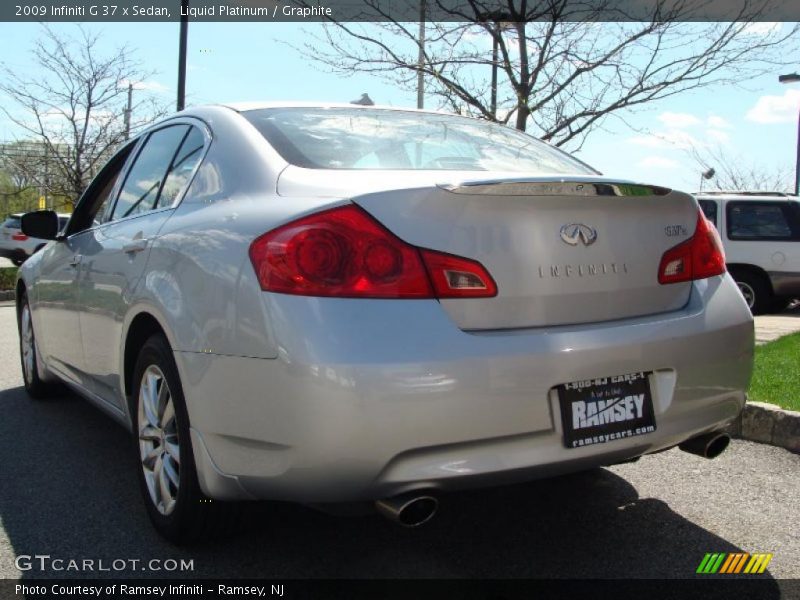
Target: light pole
[(706, 175), (794, 78), (182, 54)]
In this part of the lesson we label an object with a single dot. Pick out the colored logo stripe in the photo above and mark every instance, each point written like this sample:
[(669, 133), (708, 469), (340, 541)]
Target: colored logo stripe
[(722, 562), (734, 563), (758, 563), (711, 563)]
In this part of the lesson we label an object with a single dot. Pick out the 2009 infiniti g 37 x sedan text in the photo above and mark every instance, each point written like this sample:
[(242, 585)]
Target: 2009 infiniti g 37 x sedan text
[(340, 304)]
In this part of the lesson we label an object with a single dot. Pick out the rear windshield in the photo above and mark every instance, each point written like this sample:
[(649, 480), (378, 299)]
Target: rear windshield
[(12, 222), (342, 138)]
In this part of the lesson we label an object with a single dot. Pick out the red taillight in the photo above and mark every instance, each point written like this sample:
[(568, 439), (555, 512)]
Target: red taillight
[(344, 252), (698, 257), (20, 237)]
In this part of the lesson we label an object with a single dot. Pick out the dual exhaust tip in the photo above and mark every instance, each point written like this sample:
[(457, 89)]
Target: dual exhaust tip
[(414, 508)]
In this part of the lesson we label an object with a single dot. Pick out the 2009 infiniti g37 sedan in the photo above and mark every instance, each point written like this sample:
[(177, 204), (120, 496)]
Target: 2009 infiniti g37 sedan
[(341, 304)]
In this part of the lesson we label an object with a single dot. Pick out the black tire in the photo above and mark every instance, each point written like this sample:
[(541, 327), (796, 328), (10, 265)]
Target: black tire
[(756, 291), (35, 386), (191, 515), (17, 261)]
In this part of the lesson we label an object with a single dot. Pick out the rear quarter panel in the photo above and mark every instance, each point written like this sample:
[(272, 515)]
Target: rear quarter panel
[(199, 275)]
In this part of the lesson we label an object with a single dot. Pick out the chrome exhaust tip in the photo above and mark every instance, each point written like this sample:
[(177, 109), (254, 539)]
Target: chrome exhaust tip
[(709, 445), (408, 510)]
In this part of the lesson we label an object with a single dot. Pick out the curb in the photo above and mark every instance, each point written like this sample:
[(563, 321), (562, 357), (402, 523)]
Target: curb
[(7, 295), (768, 424)]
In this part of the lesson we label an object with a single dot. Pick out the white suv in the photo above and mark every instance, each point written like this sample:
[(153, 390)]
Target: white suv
[(761, 235)]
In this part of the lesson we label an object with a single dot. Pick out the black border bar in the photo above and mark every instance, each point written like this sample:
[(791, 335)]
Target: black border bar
[(707, 587), (130, 11)]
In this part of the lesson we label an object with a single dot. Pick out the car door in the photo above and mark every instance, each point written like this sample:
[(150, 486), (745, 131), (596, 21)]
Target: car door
[(56, 290), (114, 256)]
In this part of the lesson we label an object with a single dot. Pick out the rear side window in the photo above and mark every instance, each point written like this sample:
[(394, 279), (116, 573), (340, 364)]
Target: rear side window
[(762, 221), (12, 222), (143, 184), (182, 167), (709, 208)]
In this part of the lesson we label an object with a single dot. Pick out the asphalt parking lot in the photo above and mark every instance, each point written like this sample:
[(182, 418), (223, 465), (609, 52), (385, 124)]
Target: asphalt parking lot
[(68, 490)]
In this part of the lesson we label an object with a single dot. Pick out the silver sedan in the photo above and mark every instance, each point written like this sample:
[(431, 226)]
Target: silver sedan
[(350, 306)]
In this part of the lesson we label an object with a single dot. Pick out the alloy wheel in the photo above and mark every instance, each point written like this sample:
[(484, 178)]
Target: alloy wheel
[(158, 440), (27, 346)]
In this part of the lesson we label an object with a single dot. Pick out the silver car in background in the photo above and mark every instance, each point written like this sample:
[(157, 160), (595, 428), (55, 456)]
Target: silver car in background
[(339, 304), (18, 247)]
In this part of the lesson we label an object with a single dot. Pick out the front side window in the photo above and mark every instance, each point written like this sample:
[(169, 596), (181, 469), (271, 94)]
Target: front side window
[(762, 221), (94, 205), (105, 197), (143, 183), (344, 138)]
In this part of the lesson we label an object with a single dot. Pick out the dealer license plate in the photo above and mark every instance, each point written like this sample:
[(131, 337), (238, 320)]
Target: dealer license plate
[(605, 409)]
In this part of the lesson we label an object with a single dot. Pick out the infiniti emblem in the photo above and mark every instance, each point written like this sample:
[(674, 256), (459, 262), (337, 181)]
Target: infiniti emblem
[(572, 233)]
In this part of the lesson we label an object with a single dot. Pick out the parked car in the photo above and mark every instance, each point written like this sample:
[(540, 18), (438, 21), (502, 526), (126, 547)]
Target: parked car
[(340, 304), (15, 245), (760, 233)]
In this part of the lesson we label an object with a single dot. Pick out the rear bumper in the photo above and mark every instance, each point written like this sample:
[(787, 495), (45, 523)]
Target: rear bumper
[(372, 398)]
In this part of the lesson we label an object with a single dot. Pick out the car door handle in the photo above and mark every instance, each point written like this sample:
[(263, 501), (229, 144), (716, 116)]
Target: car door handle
[(135, 246), (75, 260)]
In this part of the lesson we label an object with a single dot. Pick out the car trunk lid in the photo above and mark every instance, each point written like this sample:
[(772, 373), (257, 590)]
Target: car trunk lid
[(560, 251)]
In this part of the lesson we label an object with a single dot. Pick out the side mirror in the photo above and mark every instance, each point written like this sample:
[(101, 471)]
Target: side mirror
[(40, 224)]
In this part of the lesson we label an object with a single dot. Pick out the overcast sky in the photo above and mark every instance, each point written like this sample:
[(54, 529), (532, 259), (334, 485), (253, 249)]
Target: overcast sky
[(239, 62)]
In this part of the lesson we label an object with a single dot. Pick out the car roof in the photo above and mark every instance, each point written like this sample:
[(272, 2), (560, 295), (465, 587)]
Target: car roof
[(258, 105)]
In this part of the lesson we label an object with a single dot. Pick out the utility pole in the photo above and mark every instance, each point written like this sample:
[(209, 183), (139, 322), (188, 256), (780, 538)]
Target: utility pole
[(421, 57), (46, 174), (182, 54), (794, 78), (495, 53), (128, 112)]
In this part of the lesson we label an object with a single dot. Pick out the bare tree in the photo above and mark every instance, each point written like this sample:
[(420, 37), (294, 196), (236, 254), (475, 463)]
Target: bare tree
[(31, 171), (562, 71), (17, 164), (72, 110), (738, 173)]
